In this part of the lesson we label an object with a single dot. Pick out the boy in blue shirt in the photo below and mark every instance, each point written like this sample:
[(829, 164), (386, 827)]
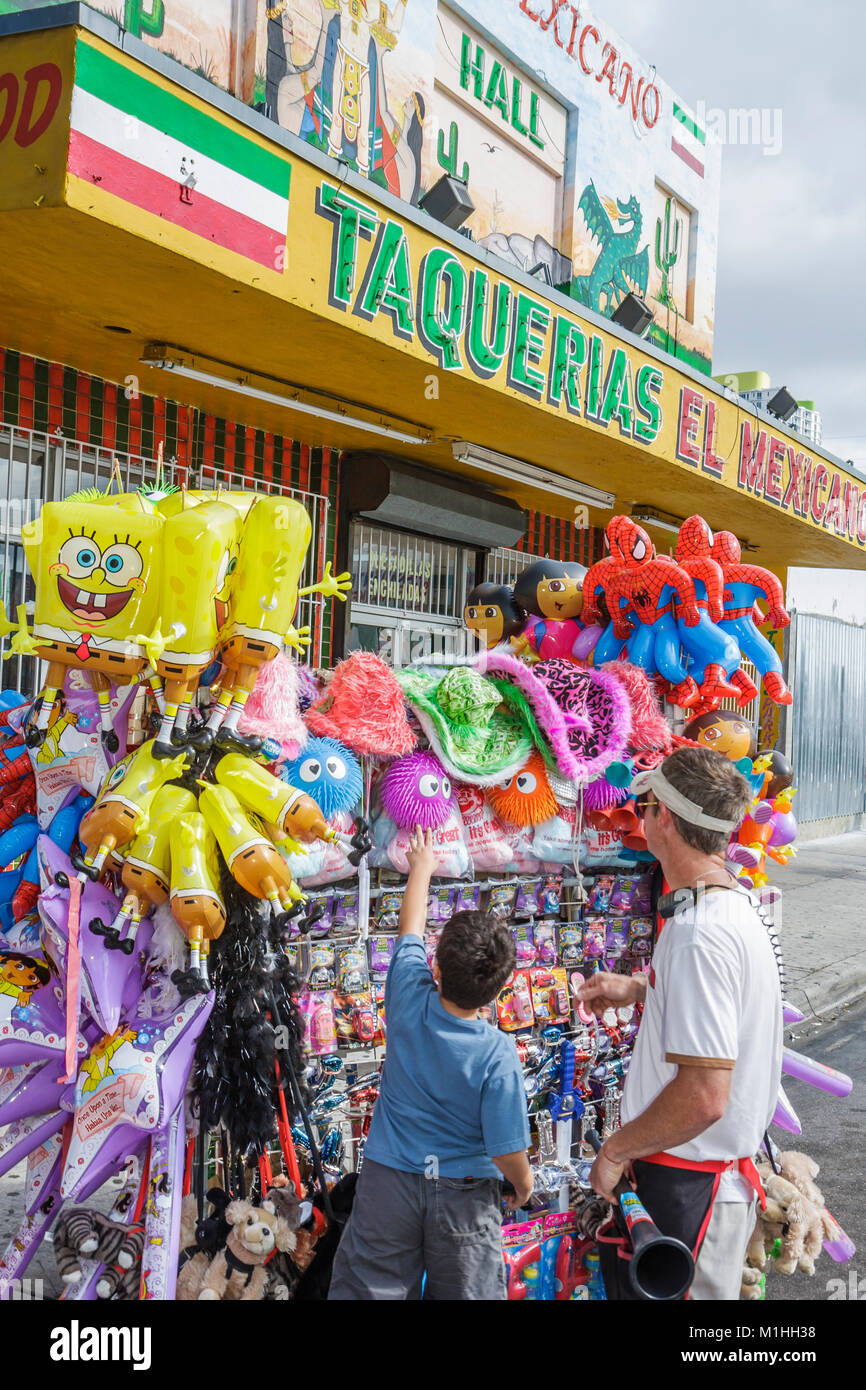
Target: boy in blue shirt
[(450, 1121)]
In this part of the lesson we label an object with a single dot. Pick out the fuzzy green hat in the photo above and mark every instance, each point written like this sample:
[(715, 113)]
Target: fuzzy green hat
[(476, 737)]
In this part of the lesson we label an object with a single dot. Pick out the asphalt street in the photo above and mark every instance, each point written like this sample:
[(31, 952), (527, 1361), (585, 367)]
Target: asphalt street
[(834, 1135)]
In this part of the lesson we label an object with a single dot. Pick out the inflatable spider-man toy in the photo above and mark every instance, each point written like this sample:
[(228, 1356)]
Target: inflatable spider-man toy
[(645, 587), (744, 584), (714, 654), (616, 627)]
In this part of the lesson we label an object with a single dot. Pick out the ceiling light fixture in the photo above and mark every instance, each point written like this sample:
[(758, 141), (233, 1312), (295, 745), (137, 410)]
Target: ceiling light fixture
[(651, 516), (518, 471), (243, 388)]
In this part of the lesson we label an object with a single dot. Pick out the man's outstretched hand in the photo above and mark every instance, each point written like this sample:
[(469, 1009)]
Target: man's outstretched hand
[(605, 991)]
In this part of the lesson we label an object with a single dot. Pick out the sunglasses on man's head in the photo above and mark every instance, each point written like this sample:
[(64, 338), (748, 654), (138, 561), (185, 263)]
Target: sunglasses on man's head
[(644, 801)]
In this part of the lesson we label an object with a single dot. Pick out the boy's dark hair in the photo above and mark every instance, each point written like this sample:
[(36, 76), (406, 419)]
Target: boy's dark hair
[(476, 954)]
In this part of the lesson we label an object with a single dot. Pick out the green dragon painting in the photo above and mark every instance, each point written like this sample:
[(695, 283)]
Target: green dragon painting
[(620, 268)]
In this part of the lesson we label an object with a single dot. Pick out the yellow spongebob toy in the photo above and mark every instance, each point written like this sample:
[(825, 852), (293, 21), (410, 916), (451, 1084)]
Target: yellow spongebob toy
[(147, 868), (252, 860), (200, 554), (93, 563), (196, 901), (123, 806), (264, 595)]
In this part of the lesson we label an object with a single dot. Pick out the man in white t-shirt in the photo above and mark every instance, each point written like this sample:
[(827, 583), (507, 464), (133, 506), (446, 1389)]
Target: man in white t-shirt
[(704, 1078)]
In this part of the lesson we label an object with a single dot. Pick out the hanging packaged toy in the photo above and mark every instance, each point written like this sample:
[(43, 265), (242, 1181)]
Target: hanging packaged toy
[(345, 917), (640, 937), (381, 951), (388, 913), (322, 966), (514, 1003), (550, 995), (467, 897), (440, 906), (571, 945), (524, 944), (521, 1250), (545, 941), (501, 900), (600, 894), (594, 938)]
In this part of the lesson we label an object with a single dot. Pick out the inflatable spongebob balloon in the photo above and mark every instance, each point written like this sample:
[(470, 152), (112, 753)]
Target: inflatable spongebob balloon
[(252, 860), (293, 814), (196, 902), (120, 813), (146, 870), (200, 553), (94, 564), (264, 595)]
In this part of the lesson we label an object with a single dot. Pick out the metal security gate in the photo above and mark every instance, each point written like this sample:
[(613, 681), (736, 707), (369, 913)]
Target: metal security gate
[(408, 596), (36, 468), (828, 752)]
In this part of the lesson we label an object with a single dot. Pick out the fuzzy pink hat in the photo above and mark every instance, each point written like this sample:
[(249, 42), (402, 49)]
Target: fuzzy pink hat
[(363, 708), (272, 708), (649, 728)]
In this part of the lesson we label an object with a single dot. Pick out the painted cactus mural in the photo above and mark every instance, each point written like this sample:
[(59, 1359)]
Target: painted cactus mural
[(667, 254)]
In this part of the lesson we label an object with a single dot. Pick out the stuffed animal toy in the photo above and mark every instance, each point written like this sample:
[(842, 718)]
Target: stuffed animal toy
[(199, 1242), (327, 772), (87, 1233), (526, 798), (416, 790), (238, 1272), (793, 1217), (754, 1285)]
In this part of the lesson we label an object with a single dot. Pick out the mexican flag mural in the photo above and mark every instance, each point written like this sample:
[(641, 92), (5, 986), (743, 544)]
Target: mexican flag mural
[(137, 140)]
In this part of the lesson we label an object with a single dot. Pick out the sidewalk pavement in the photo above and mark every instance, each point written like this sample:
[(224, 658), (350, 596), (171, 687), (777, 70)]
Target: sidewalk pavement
[(823, 924)]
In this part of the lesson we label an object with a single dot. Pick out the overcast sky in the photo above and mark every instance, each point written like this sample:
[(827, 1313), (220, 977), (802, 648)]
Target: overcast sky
[(792, 235)]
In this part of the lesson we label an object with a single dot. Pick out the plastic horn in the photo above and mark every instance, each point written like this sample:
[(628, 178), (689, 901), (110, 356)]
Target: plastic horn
[(840, 1247), (785, 1116), (818, 1074), (661, 1268)]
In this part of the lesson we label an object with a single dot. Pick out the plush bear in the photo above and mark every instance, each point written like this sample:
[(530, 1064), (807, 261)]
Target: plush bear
[(753, 1286), (238, 1271), (799, 1221), (88, 1233)]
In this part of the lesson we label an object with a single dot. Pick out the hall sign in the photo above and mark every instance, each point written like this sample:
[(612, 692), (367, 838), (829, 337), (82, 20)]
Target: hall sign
[(471, 321)]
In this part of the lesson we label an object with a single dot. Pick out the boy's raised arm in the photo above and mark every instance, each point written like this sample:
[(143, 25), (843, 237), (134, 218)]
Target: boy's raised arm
[(422, 862)]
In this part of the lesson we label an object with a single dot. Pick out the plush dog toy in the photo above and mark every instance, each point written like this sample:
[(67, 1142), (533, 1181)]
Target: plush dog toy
[(238, 1271), (791, 1218), (87, 1233)]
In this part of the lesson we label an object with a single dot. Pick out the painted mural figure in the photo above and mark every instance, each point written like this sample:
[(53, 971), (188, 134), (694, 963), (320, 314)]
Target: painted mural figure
[(619, 267), (326, 82)]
